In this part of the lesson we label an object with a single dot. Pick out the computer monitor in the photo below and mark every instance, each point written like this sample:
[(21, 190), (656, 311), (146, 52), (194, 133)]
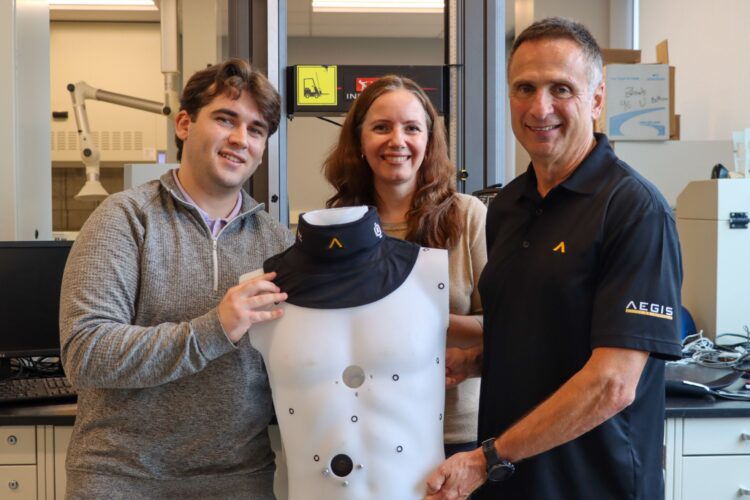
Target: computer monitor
[(30, 278)]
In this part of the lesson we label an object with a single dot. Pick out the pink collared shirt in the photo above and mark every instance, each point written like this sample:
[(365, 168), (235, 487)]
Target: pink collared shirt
[(215, 225)]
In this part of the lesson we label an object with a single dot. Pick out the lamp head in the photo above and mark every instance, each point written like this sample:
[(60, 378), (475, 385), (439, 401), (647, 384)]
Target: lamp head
[(92, 190)]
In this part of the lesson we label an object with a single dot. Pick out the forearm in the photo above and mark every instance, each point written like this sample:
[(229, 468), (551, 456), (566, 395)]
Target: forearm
[(589, 398), (474, 357), (110, 354), (464, 331), (577, 407)]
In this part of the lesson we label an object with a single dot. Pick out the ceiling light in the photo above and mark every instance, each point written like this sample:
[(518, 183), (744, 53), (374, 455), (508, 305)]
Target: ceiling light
[(416, 6), (104, 3)]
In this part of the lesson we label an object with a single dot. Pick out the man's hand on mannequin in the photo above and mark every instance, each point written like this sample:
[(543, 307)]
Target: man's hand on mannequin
[(458, 476), (247, 303)]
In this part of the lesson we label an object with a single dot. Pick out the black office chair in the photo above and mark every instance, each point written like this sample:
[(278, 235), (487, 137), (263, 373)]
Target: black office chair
[(488, 194)]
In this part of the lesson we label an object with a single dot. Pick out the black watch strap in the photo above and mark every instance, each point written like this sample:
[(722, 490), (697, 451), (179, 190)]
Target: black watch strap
[(498, 468)]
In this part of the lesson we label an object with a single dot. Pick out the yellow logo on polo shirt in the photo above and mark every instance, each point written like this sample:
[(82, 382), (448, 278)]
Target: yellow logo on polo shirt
[(650, 309), (560, 247), (335, 242)]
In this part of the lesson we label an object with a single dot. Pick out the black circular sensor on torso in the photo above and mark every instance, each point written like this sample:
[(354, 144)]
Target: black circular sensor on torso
[(341, 465)]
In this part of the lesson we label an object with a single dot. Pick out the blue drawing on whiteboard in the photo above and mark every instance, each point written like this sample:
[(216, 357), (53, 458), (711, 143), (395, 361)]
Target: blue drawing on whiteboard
[(616, 122), (661, 130)]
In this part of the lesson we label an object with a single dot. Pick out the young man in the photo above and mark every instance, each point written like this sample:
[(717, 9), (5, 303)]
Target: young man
[(580, 295), (173, 401)]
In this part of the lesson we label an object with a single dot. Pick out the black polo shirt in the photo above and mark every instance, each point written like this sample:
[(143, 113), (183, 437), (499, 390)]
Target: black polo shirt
[(595, 263)]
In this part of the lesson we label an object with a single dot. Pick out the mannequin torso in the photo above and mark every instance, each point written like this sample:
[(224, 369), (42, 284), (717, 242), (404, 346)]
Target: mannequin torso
[(359, 390)]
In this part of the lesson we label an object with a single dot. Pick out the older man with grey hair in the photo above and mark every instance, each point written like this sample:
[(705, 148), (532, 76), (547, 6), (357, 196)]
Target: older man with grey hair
[(580, 295)]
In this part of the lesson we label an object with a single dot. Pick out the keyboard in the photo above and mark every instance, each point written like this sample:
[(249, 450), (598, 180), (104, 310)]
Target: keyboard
[(20, 390)]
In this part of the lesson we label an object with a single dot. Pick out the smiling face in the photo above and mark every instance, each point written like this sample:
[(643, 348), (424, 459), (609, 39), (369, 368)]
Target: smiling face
[(551, 102), (222, 147), (394, 137)]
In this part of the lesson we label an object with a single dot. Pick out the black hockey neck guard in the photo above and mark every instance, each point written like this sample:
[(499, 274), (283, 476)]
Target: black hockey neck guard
[(342, 265)]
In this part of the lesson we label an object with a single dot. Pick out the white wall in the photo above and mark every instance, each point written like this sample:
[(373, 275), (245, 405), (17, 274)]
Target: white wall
[(594, 14), (119, 57), (25, 175), (671, 165), (8, 148), (709, 46), (310, 139), (201, 45)]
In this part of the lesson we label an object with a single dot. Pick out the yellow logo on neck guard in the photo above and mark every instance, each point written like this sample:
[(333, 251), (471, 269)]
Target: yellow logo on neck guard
[(336, 242), (560, 247)]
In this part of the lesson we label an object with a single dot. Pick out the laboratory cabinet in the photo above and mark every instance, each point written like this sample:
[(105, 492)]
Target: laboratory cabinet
[(706, 450), (708, 456), (32, 461), (33, 443)]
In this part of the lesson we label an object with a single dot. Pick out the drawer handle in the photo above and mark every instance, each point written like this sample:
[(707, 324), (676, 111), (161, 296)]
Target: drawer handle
[(13, 484), (743, 492), (745, 436), (12, 440)]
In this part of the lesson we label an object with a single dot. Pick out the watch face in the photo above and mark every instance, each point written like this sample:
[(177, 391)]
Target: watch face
[(501, 471)]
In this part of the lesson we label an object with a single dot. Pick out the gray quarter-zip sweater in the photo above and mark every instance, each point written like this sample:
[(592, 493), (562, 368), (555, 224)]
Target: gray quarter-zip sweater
[(168, 406)]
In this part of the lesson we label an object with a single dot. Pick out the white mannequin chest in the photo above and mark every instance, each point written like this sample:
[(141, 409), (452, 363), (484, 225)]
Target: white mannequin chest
[(359, 392)]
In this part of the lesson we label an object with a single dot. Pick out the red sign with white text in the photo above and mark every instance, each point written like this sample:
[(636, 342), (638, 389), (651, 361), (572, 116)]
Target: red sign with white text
[(362, 83)]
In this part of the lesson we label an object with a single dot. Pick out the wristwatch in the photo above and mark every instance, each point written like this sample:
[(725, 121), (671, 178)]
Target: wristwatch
[(498, 469)]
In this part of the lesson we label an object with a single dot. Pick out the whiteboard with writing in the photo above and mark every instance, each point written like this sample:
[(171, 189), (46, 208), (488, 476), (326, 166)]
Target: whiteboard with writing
[(637, 101)]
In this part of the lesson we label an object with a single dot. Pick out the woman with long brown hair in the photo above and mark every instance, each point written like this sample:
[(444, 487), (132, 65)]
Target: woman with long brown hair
[(392, 154)]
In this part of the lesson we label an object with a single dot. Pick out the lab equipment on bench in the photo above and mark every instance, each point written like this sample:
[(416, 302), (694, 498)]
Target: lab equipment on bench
[(713, 218)]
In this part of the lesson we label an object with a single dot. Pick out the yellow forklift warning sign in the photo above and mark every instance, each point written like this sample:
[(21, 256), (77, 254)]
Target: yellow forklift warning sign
[(316, 86)]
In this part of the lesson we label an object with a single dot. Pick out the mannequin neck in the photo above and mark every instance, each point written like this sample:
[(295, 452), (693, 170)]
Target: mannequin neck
[(335, 234)]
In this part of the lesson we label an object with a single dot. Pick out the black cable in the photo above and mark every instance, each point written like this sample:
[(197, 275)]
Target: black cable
[(36, 366), (329, 121)]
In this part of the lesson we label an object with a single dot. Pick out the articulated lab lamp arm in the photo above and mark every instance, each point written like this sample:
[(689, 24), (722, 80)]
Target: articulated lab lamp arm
[(79, 92)]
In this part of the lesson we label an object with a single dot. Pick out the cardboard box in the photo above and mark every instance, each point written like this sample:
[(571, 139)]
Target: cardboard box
[(662, 52), (637, 104), (674, 132), (662, 57), (674, 119), (620, 56)]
